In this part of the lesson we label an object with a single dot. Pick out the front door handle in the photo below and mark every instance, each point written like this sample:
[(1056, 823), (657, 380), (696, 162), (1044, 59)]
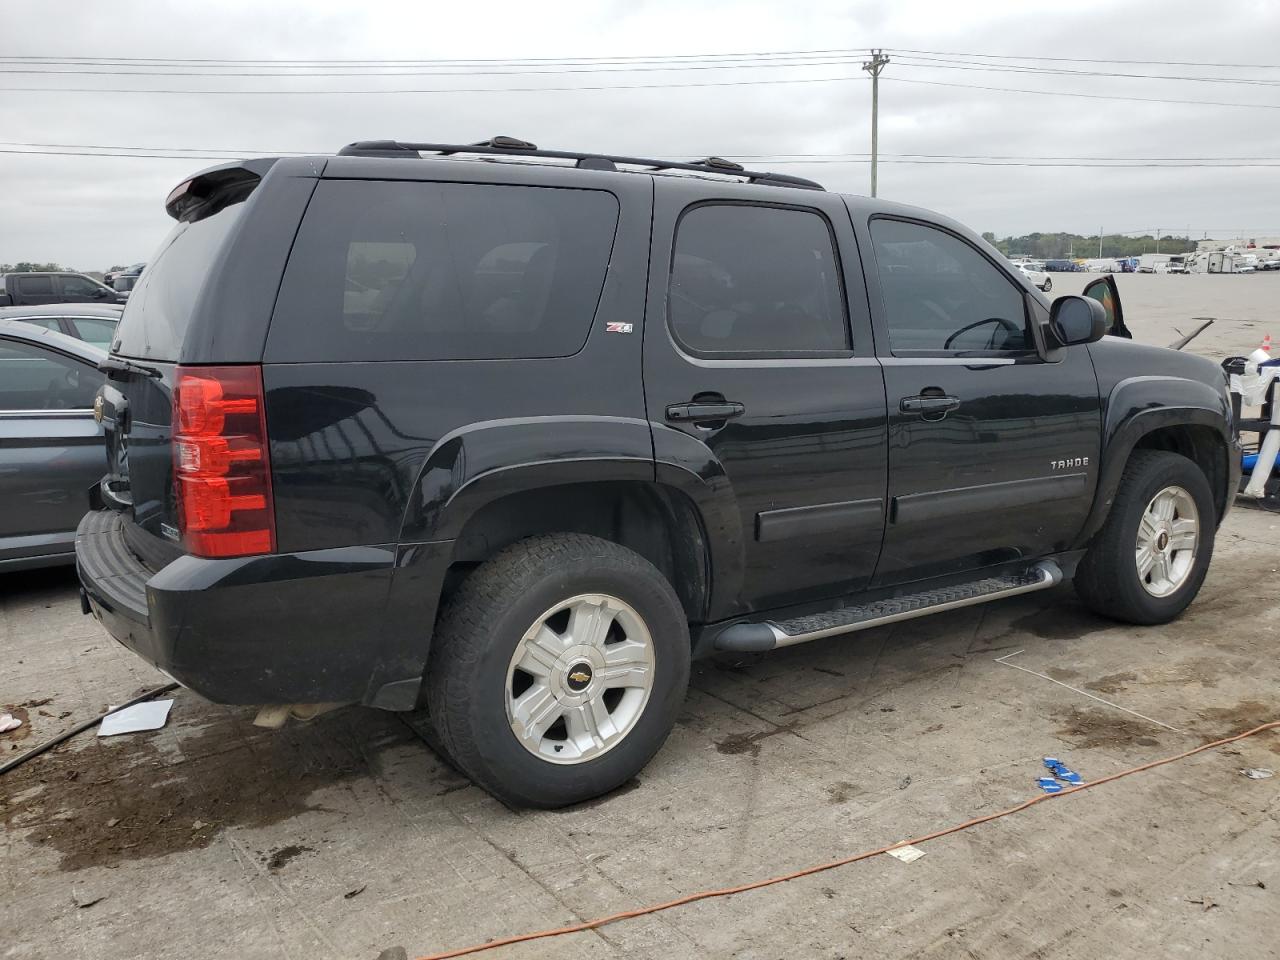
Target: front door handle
[(705, 412), (932, 407)]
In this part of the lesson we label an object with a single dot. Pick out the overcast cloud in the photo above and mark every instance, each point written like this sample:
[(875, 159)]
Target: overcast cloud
[(90, 213)]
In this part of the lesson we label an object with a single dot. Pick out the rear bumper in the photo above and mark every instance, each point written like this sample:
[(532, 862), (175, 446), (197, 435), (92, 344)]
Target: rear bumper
[(350, 624)]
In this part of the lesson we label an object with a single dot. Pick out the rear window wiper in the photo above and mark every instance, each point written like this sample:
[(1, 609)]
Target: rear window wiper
[(113, 367)]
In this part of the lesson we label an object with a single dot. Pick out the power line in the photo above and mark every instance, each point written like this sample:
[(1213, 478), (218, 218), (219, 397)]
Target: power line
[(258, 151), (1157, 63), (846, 51), (140, 153), (602, 67), (515, 71), (935, 64), (759, 54), (1086, 96)]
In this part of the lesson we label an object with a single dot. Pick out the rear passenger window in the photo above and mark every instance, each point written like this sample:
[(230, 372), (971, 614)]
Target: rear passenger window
[(392, 270), (756, 280), (36, 286), (943, 296)]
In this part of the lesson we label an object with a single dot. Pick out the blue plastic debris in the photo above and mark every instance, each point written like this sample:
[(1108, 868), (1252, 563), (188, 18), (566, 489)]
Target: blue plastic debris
[(1061, 771), (1049, 785)]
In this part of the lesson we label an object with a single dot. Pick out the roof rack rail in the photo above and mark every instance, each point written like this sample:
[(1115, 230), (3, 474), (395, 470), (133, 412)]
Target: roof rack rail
[(513, 147)]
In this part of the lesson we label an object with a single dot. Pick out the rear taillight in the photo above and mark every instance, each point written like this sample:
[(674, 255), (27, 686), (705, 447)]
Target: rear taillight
[(221, 466)]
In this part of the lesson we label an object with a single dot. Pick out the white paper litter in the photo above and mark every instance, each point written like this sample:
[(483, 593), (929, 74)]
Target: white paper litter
[(1258, 773), (907, 854), (9, 722), (150, 715)]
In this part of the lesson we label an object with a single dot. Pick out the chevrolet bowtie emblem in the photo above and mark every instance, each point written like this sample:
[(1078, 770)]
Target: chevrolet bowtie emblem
[(579, 677)]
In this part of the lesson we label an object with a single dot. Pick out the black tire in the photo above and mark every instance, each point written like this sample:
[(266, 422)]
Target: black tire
[(1107, 579), (1048, 284), (476, 637)]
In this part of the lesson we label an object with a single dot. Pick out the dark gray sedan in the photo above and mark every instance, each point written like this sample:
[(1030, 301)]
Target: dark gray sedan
[(51, 449)]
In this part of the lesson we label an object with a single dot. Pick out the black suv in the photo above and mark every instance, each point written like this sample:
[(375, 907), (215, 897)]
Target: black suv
[(511, 435)]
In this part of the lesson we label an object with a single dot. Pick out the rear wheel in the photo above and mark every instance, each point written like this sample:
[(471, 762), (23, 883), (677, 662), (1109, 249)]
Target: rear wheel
[(557, 669), (1048, 284), (1151, 556)]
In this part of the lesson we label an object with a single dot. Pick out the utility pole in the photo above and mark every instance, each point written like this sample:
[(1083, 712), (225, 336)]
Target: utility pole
[(1099, 243), (1157, 239), (874, 66)]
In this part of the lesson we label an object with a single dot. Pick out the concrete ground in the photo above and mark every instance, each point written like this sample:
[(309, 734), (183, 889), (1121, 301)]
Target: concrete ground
[(346, 837)]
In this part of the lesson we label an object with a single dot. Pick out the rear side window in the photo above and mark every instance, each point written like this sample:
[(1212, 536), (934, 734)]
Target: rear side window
[(159, 309), (36, 286), (390, 270), (756, 280)]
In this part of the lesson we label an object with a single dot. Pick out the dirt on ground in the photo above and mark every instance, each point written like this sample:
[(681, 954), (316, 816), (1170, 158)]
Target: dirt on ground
[(107, 801), (1089, 727)]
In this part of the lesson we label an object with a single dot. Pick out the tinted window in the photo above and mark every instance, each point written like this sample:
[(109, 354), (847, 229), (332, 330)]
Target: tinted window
[(73, 286), (940, 294), (95, 331), (443, 271), (36, 286), (749, 279), (159, 309), (32, 378)]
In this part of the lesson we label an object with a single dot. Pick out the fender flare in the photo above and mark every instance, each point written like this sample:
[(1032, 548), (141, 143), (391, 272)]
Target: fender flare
[(1138, 406), (476, 465)]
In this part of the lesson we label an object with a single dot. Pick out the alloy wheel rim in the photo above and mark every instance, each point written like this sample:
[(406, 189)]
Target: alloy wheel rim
[(1167, 542), (579, 678)]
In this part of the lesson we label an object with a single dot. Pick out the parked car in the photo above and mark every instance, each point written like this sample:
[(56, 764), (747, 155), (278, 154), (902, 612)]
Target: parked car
[(598, 421), (33, 289), (50, 446), (127, 279), (1038, 277), (1061, 266), (89, 322)]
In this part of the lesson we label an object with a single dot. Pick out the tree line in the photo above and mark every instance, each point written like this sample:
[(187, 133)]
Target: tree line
[(1062, 246)]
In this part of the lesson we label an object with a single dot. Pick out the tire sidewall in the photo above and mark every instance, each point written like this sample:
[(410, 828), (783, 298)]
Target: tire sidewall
[(1182, 473), (539, 782)]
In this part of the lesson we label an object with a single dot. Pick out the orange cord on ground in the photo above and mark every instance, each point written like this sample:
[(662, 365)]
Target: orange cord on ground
[(843, 861)]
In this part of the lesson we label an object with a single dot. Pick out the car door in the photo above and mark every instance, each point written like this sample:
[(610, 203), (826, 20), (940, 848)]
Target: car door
[(993, 449), (760, 377), (50, 447)]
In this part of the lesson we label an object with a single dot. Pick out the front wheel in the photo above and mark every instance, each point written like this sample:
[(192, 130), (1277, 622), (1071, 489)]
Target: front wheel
[(1149, 559), (557, 669), (1048, 284)]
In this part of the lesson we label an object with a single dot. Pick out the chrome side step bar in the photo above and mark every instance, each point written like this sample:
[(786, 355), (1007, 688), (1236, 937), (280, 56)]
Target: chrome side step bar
[(770, 634)]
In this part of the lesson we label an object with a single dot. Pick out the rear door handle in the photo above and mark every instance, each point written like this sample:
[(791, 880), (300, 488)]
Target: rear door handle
[(704, 412), (933, 407)]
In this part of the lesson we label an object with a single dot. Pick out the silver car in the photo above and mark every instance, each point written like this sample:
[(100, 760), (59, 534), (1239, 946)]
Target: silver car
[(51, 447)]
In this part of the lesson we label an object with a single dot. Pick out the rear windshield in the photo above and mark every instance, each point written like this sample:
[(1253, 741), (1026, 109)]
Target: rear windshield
[(390, 270), (159, 308)]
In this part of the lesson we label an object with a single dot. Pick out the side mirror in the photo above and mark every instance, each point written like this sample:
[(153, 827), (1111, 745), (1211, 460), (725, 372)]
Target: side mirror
[(1074, 320), (99, 293)]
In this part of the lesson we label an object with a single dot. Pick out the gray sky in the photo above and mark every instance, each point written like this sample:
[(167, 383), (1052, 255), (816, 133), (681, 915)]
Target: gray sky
[(92, 212)]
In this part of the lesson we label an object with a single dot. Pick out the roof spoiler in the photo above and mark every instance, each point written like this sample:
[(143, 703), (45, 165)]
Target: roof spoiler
[(213, 189)]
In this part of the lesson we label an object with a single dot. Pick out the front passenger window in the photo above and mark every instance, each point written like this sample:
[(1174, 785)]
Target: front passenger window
[(943, 296)]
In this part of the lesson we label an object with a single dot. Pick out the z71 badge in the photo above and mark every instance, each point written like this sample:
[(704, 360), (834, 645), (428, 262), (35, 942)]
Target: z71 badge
[(612, 327), (1070, 462)]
